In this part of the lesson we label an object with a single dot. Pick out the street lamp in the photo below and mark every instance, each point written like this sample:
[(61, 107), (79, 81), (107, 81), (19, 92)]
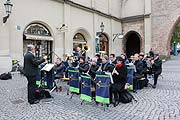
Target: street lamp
[(102, 27), (8, 7)]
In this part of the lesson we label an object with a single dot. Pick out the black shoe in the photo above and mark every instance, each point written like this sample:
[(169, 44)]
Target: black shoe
[(154, 86), (97, 103), (34, 102), (134, 91), (116, 103)]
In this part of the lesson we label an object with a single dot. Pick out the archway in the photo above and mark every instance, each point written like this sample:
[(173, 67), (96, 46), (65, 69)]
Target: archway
[(132, 43), (40, 36)]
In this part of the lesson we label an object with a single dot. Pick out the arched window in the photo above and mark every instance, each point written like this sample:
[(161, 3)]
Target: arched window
[(79, 40), (37, 29)]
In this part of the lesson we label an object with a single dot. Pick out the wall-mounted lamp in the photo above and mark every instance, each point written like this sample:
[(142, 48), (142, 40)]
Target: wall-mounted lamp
[(119, 35), (102, 27), (8, 7)]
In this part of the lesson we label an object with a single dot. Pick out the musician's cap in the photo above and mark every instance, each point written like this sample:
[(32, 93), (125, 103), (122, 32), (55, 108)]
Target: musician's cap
[(94, 60), (119, 59), (98, 55), (106, 57), (82, 57)]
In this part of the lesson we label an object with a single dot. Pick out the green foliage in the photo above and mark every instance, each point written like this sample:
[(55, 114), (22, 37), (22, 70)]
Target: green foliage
[(176, 35)]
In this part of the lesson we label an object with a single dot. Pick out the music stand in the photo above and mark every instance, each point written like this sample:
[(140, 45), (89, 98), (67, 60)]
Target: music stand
[(74, 84), (85, 88), (102, 89), (49, 75)]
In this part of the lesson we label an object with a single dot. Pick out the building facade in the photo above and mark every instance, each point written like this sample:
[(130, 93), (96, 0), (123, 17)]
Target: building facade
[(61, 25)]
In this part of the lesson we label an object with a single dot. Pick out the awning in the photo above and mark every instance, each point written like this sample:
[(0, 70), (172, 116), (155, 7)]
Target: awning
[(37, 37)]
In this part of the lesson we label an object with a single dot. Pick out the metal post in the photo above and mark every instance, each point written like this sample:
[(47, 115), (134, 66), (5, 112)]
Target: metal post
[(175, 49)]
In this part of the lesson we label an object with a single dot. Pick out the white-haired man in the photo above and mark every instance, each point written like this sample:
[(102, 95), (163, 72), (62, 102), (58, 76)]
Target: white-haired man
[(30, 70)]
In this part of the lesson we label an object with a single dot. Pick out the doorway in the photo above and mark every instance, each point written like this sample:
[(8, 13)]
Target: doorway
[(132, 44)]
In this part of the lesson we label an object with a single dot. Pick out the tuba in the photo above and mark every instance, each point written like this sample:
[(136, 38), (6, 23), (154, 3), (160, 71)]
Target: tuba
[(85, 49)]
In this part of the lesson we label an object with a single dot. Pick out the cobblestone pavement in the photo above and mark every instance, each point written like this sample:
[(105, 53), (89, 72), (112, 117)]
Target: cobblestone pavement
[(162, 103)]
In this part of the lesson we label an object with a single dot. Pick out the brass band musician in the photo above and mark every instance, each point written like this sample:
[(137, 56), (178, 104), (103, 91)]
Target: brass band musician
[(59, 68)]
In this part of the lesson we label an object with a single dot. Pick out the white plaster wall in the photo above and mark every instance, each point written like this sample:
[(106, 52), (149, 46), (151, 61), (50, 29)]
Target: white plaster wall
[(115, 8), (83, 2), (82, 21), (148, 6), (5, 59), (117, 43), (102, 5), (4, 34), (132, 7), (49, 13), (112, 7)]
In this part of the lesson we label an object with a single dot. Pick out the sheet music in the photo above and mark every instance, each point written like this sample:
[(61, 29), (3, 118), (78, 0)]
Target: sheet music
[(47, 67), (110, 75), (132, 65)]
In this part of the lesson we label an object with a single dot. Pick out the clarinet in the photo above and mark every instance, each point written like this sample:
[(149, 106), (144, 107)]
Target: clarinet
[(100, 68)]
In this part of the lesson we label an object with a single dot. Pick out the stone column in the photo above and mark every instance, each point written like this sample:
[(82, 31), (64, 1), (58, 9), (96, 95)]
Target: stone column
[(67, 36), (95, 29), (147, 25)]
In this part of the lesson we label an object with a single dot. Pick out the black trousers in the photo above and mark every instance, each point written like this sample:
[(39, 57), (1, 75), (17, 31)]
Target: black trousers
[(135, 82), (156, 78), (31, 88), (116, 89)]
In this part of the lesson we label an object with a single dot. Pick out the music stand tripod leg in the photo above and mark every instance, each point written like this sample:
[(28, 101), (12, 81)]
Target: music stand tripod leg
[(67, 91), (82, 102), (71, 95), (55, 87)]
